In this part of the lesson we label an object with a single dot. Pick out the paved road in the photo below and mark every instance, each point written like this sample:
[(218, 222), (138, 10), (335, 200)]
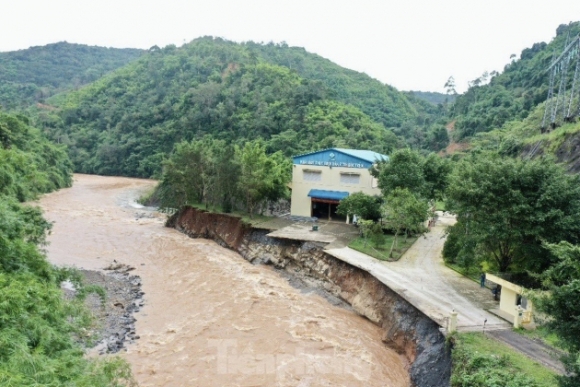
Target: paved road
[(538, 351), (421, 277)]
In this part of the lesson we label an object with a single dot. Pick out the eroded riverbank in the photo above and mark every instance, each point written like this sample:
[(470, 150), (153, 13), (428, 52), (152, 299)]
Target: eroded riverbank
[(210, 318), (405, 328)]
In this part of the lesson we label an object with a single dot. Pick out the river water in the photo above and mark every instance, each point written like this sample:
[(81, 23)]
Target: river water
[(210, 317)]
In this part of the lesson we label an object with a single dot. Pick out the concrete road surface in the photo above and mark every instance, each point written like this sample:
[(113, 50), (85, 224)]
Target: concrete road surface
[(421, 277)]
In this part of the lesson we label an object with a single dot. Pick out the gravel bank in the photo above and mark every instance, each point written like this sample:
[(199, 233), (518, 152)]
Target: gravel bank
[(115, 316)]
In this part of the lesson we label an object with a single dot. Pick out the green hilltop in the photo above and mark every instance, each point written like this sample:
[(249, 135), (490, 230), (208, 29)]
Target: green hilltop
[(126, 122), (32, 75)]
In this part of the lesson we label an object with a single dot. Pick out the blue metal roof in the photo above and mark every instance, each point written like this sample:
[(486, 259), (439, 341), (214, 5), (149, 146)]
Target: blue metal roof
[(327, 195), (364, 155)]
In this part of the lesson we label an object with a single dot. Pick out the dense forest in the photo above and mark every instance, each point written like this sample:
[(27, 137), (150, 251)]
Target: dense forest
[(32, 75), (128, 121), (516, 200), (38, 326), (229, 177)]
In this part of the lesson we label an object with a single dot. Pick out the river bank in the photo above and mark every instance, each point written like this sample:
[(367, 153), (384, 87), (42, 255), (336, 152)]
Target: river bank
[(114, 311), (404, 327), (209, 317)]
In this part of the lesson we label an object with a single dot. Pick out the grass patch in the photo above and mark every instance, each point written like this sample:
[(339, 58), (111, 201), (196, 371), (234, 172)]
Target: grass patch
[(440, 205), (472, 274), (543, 334), (382, 252), (554, 139), (479, 361)]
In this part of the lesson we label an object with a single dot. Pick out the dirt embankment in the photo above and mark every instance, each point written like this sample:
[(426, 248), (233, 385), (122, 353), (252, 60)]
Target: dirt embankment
[(406, 329), (569, 153)]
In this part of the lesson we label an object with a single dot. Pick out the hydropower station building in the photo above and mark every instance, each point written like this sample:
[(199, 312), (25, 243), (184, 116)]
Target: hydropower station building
[(321, 179)]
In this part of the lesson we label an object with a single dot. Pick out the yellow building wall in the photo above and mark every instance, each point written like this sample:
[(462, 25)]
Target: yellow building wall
[(509, 294), (330, 181), (508, 301)]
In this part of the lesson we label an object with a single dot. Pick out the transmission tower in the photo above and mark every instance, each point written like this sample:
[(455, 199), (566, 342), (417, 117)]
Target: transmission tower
[(561, 107)]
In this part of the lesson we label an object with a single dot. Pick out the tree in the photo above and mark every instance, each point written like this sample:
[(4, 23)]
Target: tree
[(510, 206), (404, 169), (41, 339), (186, 175), (562, 280), (227, 170), (360, 204), (405, 212), (426, 177), (450, 86), (369, 229), (261, 176), (459, 247), (436, 170), (438, 137)]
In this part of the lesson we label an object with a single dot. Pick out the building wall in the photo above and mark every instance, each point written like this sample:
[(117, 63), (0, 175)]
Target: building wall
[(509, 295), (329, 180), (507, 301)]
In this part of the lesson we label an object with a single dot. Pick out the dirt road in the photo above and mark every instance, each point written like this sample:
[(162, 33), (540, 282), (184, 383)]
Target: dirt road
[(210, 318)]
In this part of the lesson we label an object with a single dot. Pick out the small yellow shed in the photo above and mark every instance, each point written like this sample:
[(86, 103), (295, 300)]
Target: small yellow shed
[(512, 302)]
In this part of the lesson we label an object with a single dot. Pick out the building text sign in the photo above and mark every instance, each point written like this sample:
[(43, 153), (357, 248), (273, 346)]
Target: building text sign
[(332, 164)]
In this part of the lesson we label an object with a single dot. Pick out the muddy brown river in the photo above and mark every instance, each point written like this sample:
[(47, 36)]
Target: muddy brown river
[(210, 317)]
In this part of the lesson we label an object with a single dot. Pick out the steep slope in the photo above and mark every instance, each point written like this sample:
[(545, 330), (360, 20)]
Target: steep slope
[(513, 94), (31, 75), (127, 121), (29, 163), (383, 103), (39, 328), (508, 118)]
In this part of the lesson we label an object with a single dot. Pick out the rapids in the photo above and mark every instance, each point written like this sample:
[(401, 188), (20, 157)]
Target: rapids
[(210, 317)]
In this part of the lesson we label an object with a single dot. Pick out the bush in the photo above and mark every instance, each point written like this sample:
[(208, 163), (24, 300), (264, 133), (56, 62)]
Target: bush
[(479, 370), (479, 361)]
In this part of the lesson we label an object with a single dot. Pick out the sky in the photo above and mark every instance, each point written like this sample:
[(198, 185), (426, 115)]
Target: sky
[(411, 45)]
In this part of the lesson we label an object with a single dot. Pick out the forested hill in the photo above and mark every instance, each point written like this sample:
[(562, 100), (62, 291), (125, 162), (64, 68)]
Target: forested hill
[(495, 99), (434, 97), (126, 122), (383, 103), (31, 75), (43, 335)]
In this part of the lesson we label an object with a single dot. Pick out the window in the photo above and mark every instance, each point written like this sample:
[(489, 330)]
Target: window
[(311, 175), (374, 182), (349, 178)]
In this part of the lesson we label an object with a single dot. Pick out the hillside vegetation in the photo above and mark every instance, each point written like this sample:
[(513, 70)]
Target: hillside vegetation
[(32, 75), (434, 98), (494, 100), (128, 121), (38, 326)]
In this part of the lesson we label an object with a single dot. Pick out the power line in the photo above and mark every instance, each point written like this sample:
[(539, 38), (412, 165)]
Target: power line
[(560, 106)]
